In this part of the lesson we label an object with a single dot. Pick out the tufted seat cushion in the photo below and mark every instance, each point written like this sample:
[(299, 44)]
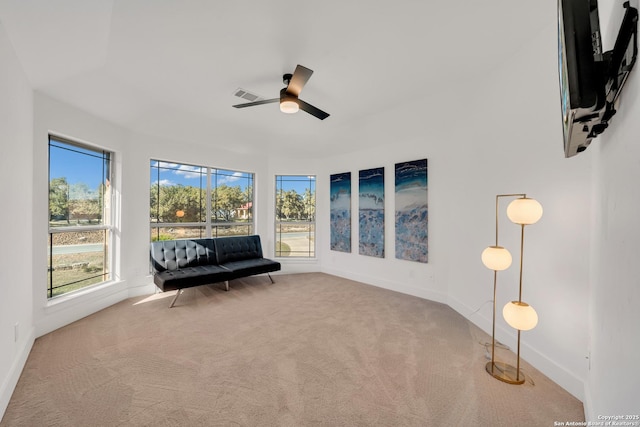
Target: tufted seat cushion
[(169, 280), (242, 255), (249, 267)]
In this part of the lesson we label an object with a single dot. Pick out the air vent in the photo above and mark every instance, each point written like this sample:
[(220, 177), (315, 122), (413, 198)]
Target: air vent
[(245, 94)]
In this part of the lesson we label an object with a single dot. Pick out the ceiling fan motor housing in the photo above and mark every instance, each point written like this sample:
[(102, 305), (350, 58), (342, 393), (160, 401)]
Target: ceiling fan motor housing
[(284, 96)]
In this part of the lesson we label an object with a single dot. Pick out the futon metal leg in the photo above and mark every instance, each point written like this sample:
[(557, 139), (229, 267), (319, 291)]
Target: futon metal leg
[(270, 278), (226, 285), (176, 297)]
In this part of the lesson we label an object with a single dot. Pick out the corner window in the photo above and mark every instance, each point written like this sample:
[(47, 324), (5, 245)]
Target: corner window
[(189, 201), (295, 216), (80, 230)]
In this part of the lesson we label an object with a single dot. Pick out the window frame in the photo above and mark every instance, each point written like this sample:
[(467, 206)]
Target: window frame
[(107, 216), (311, 223), (209, 227)]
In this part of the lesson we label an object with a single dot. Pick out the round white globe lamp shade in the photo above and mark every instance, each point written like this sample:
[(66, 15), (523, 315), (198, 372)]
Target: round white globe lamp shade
[(520, 315), (496, 258), (524, 211)]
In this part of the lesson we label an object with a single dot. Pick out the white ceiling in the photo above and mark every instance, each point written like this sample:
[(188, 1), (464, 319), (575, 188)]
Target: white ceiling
[(171, 67)]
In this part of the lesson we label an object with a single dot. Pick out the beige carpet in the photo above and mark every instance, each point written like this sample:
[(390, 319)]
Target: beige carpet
[(311, 349)]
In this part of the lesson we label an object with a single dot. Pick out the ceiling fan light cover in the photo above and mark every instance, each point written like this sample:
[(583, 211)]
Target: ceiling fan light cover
[(289, 106)]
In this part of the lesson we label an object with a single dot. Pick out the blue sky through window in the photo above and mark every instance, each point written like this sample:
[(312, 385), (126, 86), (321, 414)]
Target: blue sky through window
[(77, 165), (299, 183), (167, 173)]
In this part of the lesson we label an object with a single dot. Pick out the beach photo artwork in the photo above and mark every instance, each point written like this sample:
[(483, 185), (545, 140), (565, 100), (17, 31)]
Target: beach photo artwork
[(340, 212), (371, 212), (411, 210)]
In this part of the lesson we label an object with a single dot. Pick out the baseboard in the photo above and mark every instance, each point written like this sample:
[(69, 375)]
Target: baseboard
[(64, 311), (558, 374), (11, 380), (473, 315), (143, 287), (391, 285), (588, 404), (294, 266)]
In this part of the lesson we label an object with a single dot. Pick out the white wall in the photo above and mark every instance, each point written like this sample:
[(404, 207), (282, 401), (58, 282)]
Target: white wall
[(504, 136), (392, 141), (16, 183), (614, 377)]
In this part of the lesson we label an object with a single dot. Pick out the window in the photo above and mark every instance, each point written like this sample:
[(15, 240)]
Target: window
[(295, 216), (178, 201), (80, 229), (188, 201)]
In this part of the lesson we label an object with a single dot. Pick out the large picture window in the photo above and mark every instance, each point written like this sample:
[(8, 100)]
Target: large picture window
[(79, 216), (188, 201), (295, 216)]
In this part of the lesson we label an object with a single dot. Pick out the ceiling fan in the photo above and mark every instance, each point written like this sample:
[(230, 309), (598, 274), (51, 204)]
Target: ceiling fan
[(289, 101)]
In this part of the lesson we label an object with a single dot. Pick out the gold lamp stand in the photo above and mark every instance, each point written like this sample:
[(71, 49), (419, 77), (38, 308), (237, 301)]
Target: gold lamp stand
[(520, 315)]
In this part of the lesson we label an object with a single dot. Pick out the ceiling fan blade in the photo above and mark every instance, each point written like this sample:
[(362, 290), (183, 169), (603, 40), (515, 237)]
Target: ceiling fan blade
[(251, 104), (312, 110), (299, 79)]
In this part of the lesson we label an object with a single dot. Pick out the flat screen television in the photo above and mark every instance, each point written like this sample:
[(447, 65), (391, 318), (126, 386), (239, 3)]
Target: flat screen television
[(590, 80)]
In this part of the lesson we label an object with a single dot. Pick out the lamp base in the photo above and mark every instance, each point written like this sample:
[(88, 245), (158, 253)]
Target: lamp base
[(504, 372)]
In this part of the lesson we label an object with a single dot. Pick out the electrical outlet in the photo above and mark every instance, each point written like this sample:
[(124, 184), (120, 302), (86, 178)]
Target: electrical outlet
[(16, 330)]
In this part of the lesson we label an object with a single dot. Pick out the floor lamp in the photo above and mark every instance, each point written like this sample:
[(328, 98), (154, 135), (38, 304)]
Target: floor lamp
[(518, 314)]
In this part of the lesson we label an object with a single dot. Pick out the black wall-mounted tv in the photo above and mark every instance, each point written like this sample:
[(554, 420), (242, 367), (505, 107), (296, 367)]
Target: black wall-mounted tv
[(591, 80)]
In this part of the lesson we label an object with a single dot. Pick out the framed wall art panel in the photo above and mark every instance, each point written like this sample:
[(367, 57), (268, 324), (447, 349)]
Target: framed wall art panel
[(340, 212), (371, 212), (411, 215)]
